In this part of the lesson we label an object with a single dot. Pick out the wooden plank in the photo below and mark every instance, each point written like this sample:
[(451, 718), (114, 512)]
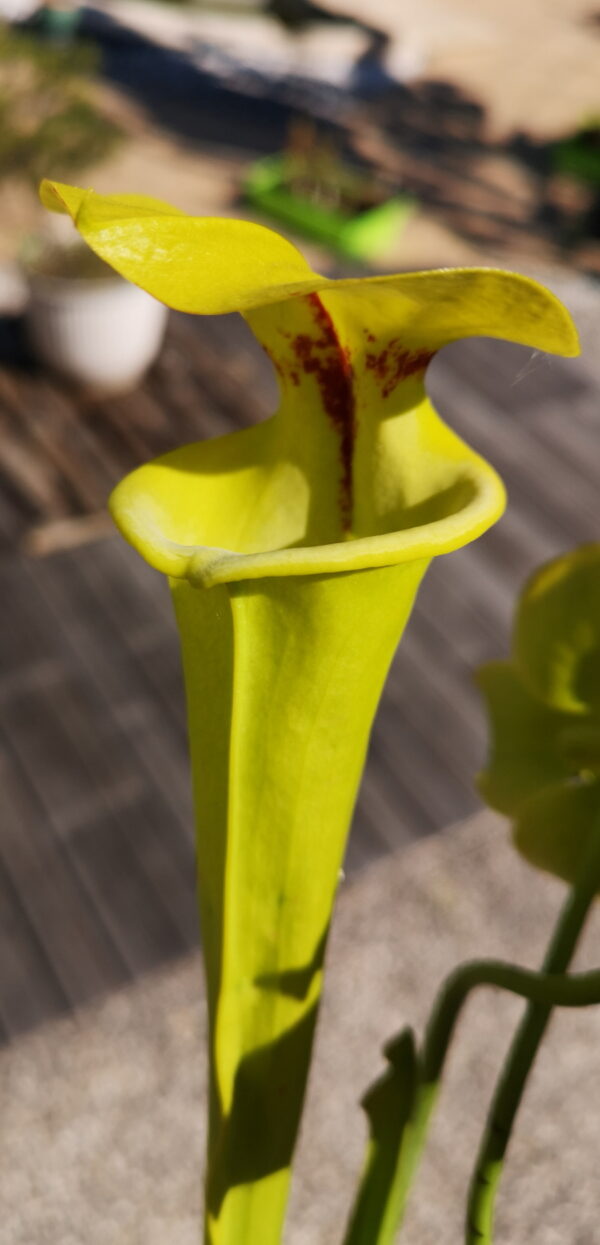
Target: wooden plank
[(68, 754), (572, 435), (145, 588), (363, 848), (167, 860), (122, 692), (122, 593), (12, 519), (29, 990), (78, 952), (107, 862), (87, 751), (195, 412), (228, 362), (495, 568), (134, 442), (26, 640), (82, 770), (165, 759), (418, 766), (490, 572), (35, 489), (49, 537), (63, 409), (559, 497), (143, 412), (123, 445), (83, 798), (163, 668), (55, 438), (115, 602), (465, 620), (407, 776), (479, 583), (427, 654), (124, 686), (390, 818), (84, 635), (518, 380), (139, 619), (454, 738), (220, 359)]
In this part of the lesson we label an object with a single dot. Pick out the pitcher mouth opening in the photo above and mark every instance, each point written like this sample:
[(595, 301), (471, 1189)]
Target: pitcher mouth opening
[(474, 501)]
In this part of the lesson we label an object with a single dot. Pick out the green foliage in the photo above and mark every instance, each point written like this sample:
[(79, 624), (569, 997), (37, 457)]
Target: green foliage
[(544, 706), (48, 121), (399, 1105), (390, 1107), (557, 632)]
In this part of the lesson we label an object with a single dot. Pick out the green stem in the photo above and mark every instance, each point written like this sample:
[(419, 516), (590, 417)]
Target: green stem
[(522, 1053), (550, 989), (401, 1103), (389, 1105)]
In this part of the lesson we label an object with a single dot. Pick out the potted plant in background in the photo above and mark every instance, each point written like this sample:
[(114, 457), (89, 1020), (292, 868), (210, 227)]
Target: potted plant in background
[(80, 317), (85, 321)]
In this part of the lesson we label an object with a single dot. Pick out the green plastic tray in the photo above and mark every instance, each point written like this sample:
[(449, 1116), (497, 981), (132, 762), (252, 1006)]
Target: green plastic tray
[(364, 237)]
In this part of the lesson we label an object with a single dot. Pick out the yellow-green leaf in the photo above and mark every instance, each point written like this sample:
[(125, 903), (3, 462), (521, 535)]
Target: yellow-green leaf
[(527, 751), (295, 549), (544, 707), (553, 828), (557, 631)]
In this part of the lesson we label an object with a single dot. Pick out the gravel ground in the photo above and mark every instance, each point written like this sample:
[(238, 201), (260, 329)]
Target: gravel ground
[(103, 1113)]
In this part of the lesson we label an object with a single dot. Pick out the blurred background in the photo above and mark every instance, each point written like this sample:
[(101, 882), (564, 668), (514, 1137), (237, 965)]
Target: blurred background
[(444, 132)]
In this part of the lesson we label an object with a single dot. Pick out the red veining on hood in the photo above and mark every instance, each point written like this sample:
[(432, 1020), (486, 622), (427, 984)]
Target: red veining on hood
[(394, 364), (323, 357)]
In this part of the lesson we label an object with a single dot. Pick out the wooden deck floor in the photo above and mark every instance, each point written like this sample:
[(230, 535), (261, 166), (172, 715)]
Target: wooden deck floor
[(96, 850)]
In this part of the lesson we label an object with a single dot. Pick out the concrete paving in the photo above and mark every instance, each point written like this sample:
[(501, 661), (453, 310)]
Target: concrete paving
[(103, 1114)]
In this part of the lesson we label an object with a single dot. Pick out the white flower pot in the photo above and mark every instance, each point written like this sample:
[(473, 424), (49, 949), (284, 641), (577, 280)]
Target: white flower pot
[(100, 331)]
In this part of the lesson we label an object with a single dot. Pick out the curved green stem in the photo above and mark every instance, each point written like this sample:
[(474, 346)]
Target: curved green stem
[(524, 1048), (400, 1104), (550, 989)]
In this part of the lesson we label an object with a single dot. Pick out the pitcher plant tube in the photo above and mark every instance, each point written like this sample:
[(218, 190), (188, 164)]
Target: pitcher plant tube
[(294, 550)]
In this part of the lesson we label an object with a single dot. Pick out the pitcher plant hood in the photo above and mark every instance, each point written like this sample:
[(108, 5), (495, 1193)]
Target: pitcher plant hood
[(295, 549), (355, 469)]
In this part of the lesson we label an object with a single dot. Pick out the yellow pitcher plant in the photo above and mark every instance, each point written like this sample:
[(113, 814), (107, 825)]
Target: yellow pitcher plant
[(294, 550)]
